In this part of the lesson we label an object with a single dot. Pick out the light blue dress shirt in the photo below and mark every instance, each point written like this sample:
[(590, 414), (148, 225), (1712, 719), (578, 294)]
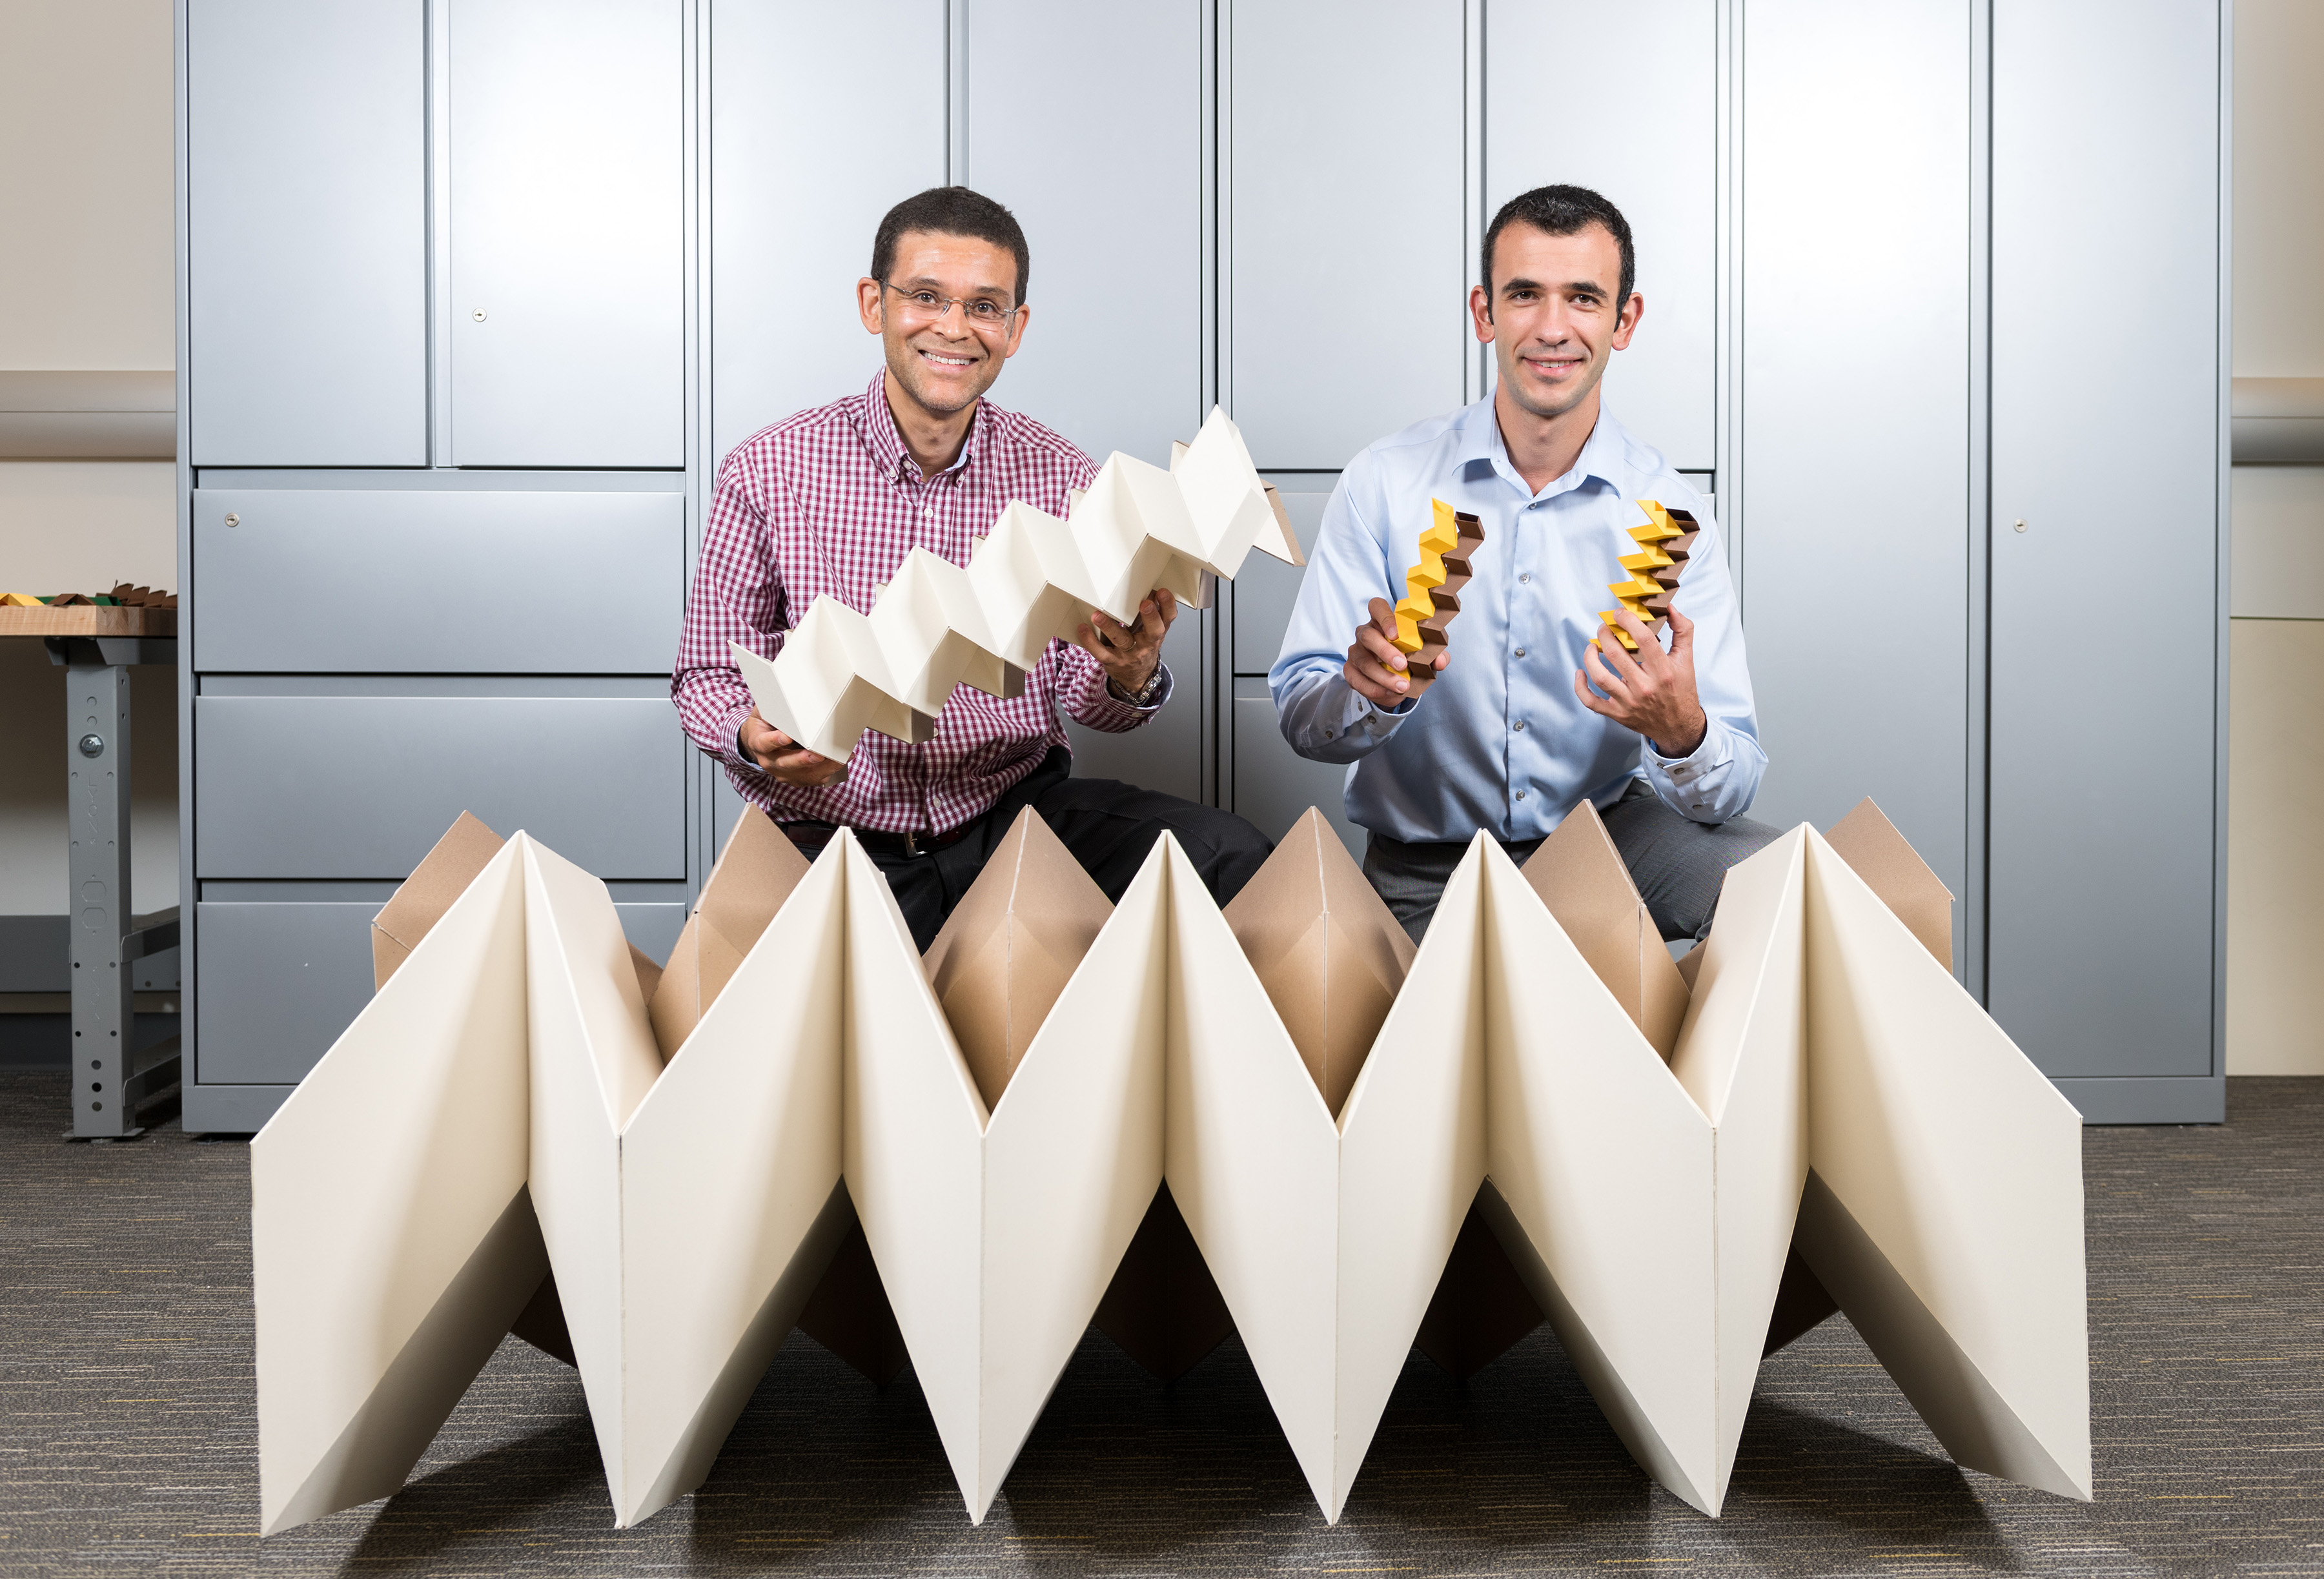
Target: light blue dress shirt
[(1500, 741)]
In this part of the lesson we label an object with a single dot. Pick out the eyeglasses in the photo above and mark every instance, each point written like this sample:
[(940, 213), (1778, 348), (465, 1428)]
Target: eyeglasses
[(928, 307)]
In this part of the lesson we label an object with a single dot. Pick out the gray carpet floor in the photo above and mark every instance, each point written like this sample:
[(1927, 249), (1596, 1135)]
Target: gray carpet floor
[(130, 1444)]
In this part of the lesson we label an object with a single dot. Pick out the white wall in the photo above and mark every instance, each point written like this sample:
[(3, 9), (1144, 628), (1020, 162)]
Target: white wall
[(2275, 850), (86, 284)]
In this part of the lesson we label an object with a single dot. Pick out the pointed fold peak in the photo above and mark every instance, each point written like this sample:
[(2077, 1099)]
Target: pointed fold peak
[(466, 849), (1007, 951), (1330, 955), (1891, 868), (754, 875), (1580, 875)]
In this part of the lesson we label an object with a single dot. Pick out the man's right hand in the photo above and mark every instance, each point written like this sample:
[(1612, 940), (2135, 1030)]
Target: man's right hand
[(1375, 667), (783, 759)]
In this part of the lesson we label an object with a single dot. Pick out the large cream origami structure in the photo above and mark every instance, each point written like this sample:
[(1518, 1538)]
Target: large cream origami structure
[(1031, 580), (1645, 1155)]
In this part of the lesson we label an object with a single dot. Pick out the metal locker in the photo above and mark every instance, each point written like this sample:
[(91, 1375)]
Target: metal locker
[(1085, 154), (1854, 466), (1166, 751), (320, 581), (1274, 785), (600, 779), (1649, 140), (1345, 267), (567, 290), (2109, 225), (1088, 154), (306, 165), (279, 983), (1267, 589), (790, 225)]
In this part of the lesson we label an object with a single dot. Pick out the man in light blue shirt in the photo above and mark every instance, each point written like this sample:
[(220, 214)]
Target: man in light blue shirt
[(1526, 718)]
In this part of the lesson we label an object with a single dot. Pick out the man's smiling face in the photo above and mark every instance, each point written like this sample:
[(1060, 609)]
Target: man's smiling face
[(1555, 322), (944, 355)]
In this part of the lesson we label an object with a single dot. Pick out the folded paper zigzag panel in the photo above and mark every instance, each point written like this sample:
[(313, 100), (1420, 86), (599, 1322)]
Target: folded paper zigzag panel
[(529, 1123), (1032, 579)]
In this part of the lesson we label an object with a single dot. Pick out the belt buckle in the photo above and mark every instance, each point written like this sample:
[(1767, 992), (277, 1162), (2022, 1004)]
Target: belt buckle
[(912, 844)]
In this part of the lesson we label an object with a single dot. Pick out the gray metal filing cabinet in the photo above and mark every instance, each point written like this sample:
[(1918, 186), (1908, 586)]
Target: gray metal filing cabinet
[(475, 294), (436, 451)]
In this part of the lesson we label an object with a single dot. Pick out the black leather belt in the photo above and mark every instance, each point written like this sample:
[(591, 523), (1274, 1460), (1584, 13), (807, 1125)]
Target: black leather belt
[(813, 835)]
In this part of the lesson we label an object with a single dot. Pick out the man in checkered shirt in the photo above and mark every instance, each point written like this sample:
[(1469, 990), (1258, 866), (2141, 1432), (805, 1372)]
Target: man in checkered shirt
[(827, 502)]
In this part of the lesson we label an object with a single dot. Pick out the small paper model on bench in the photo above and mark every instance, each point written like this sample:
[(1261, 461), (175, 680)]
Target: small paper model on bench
[(125, 611)]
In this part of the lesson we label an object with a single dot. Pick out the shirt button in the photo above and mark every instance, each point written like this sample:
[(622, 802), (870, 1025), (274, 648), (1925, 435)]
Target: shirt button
[(1519, 726), (1520, 653), (1522, 579), (1520, 795), (1330, 734)]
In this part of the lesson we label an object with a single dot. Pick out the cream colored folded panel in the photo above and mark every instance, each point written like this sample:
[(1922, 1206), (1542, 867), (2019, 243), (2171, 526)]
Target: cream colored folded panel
[(1412, 1153), (592, 1060), (996, 1236), (1741, 1058), (1945, 1214), (391, 1237), (732, 1204), (1326, 1248), (1607, 1170)]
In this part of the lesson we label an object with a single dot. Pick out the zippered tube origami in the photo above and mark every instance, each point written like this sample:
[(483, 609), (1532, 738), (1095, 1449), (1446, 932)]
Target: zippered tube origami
[(501, 1109)]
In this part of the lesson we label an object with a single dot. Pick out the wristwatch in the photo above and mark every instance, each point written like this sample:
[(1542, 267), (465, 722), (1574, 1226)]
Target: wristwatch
[(1145, 695)]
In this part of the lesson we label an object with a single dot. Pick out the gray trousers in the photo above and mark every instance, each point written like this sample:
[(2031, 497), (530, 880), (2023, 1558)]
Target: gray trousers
[(1677, 864)]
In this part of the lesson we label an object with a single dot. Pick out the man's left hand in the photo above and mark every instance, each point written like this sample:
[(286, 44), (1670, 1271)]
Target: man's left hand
[(1130, 653), (1650, 691)]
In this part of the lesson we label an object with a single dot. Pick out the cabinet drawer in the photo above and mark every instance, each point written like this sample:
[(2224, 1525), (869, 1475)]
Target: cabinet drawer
[(278, 984), (1274, 785), (422, 582), (363, 786), (281, 980)]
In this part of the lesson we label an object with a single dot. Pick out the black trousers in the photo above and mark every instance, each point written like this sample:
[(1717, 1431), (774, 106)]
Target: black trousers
[(1109, 825)]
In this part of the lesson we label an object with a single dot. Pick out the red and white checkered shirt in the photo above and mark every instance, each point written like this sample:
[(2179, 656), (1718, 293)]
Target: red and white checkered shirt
[(829, 502)]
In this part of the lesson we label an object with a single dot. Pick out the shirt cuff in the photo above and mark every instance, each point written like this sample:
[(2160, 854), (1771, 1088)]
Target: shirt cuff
[(1362, 717), (1122, 712), (733, 755), (1709, 753)]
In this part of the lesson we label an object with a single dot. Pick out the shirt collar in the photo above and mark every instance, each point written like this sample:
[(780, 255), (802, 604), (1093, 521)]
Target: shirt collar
[(885, 442), (1600, 458)]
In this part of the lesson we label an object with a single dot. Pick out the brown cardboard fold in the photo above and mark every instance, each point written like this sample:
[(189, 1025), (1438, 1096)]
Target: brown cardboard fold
[(1580, 876), (1878, 852), (466, 849), (1297, 557), (754, 875), (1329, 952), (1009, 947), (1690, 965)]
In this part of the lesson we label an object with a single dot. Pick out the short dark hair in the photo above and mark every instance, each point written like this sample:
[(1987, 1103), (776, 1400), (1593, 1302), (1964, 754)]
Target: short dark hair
[(952, 211), (1563, 211)]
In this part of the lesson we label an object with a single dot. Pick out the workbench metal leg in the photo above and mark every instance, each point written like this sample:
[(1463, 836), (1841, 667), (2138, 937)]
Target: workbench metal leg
[(96, 747)]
